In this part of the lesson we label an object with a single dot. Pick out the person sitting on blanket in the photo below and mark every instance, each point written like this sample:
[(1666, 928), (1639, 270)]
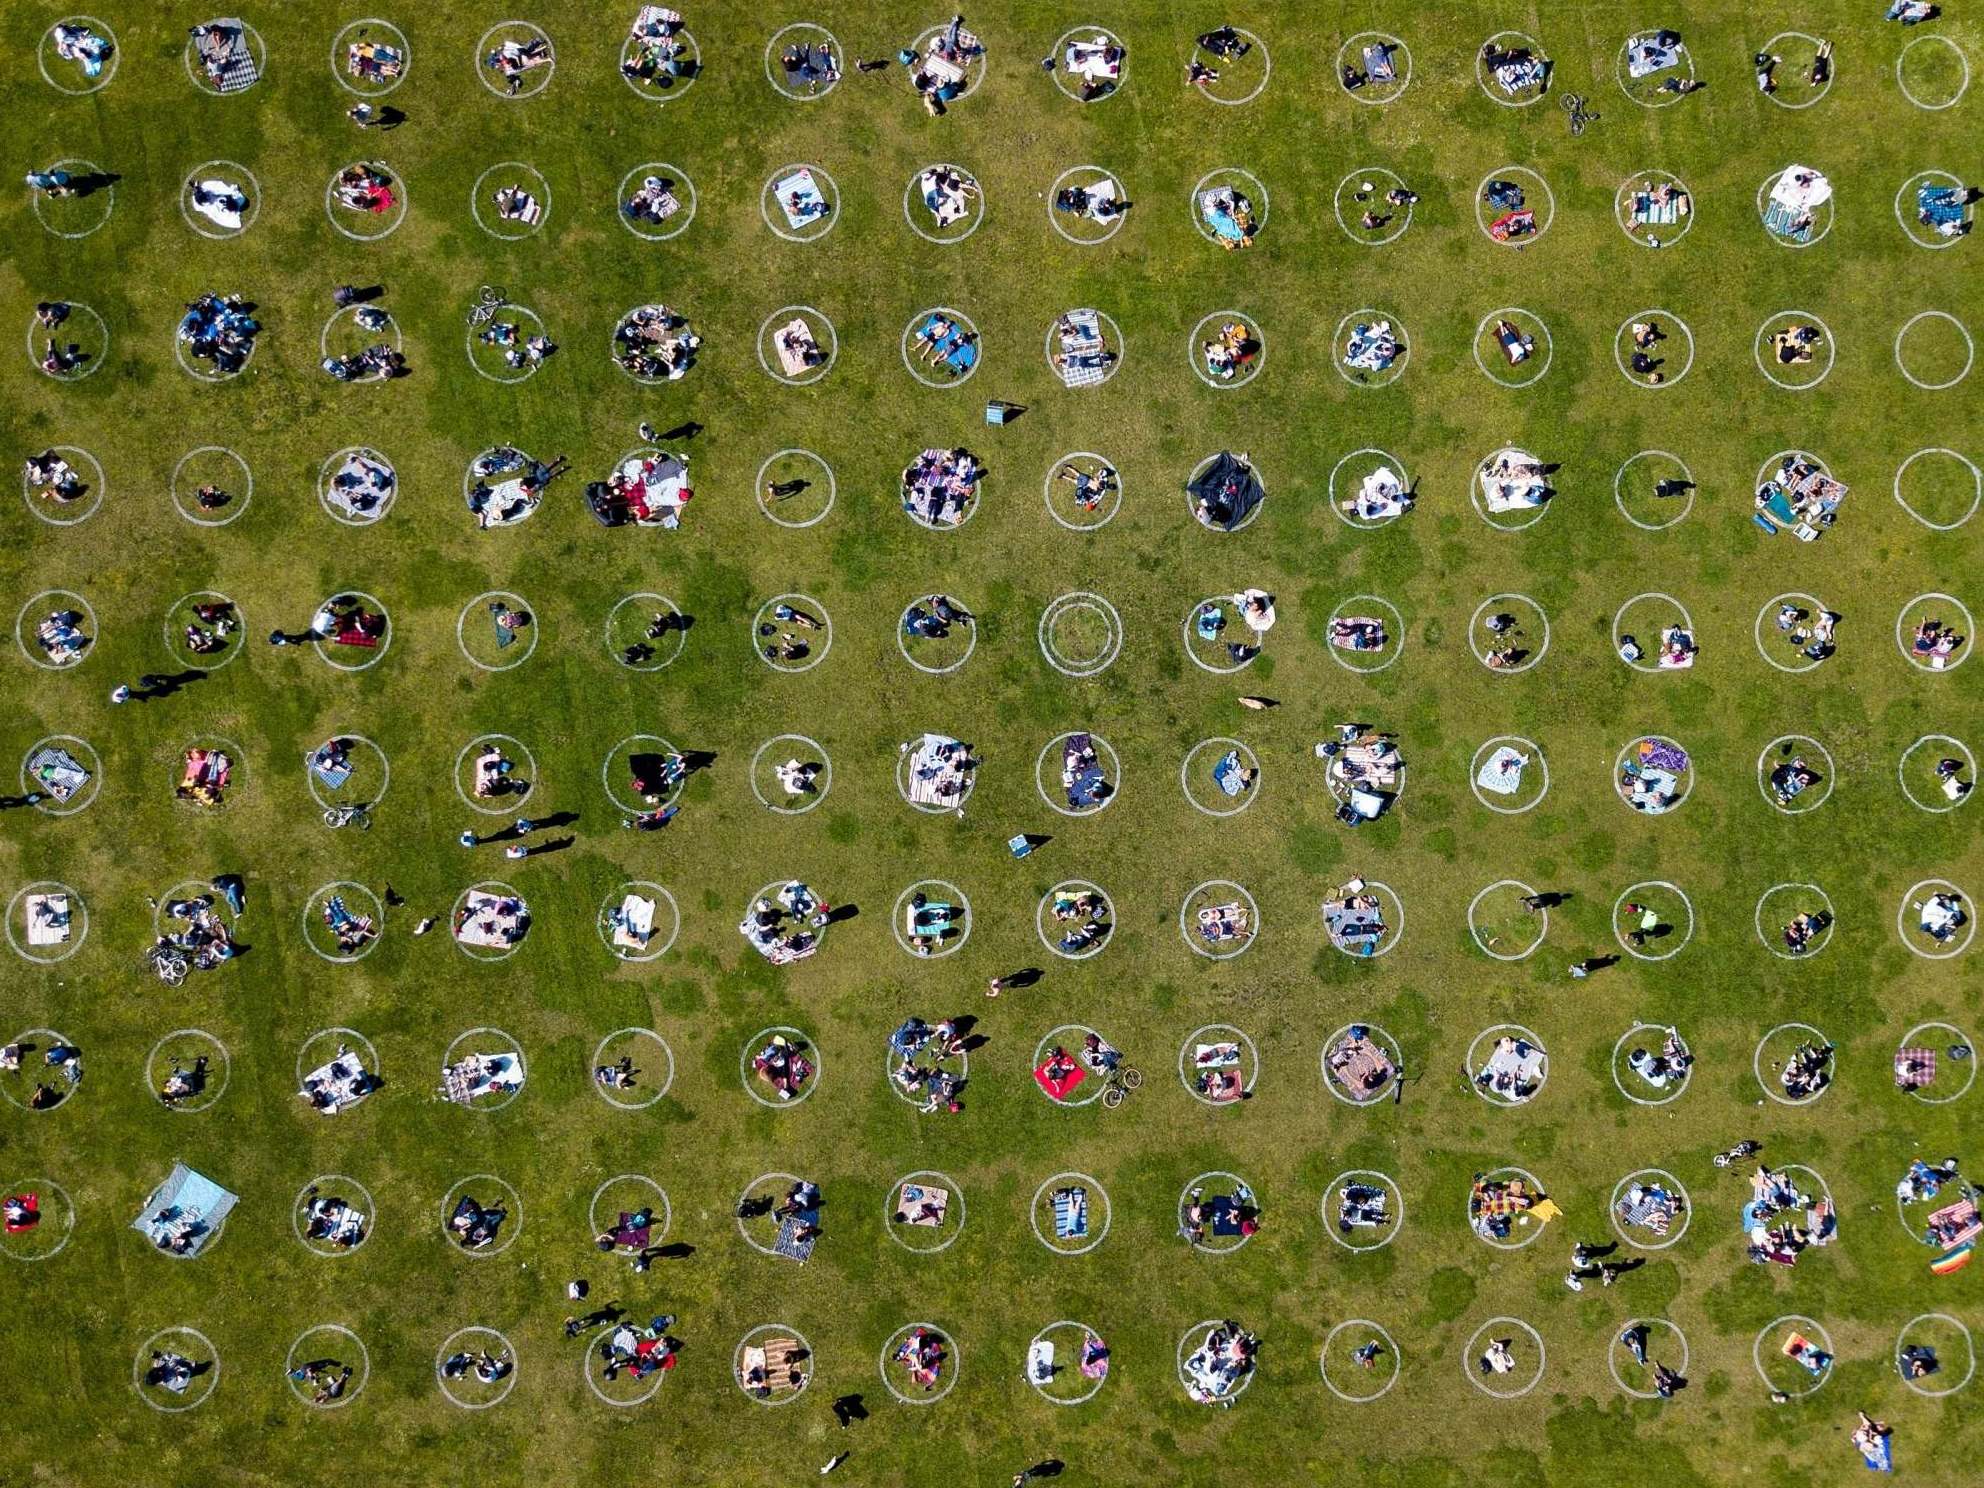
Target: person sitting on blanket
[(1670, 1064)]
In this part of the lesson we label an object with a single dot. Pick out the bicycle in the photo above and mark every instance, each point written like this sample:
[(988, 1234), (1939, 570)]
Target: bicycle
[(1574, 105), (348, 816), (488, 302), (167, 963), (1118, 1083)]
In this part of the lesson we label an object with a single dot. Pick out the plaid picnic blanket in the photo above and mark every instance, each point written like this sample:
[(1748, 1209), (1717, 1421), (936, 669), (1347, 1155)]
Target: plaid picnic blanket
[(1654, 1209), (1502, 1198), (789, 1243), (1914, 1068)]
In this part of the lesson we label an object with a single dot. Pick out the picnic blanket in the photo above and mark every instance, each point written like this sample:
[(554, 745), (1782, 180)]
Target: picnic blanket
[(48, 919), (1513, 77), (491, 920), (225, 55), (1653, 211), (1940, 206), (1381, 494), (920, 1204), (1502, 771), (220, 202), (1059, 1087), (187, 1204), (931, 775), (796, 1238), (1914, 1068), (1660, 754), (1040, 1360), (1084, 357), (1070, 1213), (1521, 1061), (1651, 52), (57, 771), (1223, 922), (1226, 774), (1094, 61), (479, 1075), (796, 346), (1378, 62), (946, 205), (1216, 1056), (1221, 208), (344, 1081), (1652, 1208), (1361, 1068), (634, 924), (799, 197), (1953, 1225), (1780, 219)]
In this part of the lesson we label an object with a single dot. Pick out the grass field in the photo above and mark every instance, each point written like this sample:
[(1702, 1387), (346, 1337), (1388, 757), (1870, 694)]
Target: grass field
[(78, 1318)]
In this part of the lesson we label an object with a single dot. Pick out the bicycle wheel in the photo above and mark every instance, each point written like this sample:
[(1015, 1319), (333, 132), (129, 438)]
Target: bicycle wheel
[(1112, 1096), (1132, 1078)]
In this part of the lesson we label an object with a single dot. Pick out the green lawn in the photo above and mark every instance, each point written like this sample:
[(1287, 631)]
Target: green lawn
[(78, 1319)]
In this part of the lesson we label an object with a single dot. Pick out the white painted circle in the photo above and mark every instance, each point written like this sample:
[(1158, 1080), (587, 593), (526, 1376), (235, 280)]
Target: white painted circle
[(1386, 458), (1969, 349), (1619, 495), (347, 1396), (771, 1331), (1267, 70), (509, 803), (340, 55), (653, 953), (1776, 95), (1377, 175), (185, 360), (53, 1038), (1112, 776), (1901, 79), (1804, 1325), (537, 33), (1112, 501), (1122, 66), (1769, 612), (902, 641), (513, 1214), (1680, 1086), (143, 1362), (1763, 775), (593, 1225), (1549, 346), (1969, 1349), (1542, 915), (485, 953), (1185, 776), (1549, 206), (1977, 485), (1390, 374), (1757, 1064), (256, 49), (817, 317), (1535, 752), (70, 455), (1900, 920), (1474, 498), (1350, 48), (1073, 1178), (1191, 639), (1080, 600), (448, 1346), (1050, 1041), (1523, 41), (74, 745), (975, 67), (109, 193), (1495, 1031), (1251, 186), (1087, 1395), (1619, 615), (951, 1356), (1474, 1375), (914, 367), (758, 486), (1246, 521), (955, 1202), (481, 601), (403, 202), (667, 1054), (1908, 221), (1612, 1357), (1775, 946), (1250, 1055), (1188, 930), (207, 228), (1830, 206), (634, 806), (197, 661), (831, 196), (642, 379), (675, 87), (78, 911), (977, 215), (1957, 1035), (360, 1196), (91, 363), (1619, 765), (1398, 1368), (1762, 336), (1397, 647), (1187, 1346), (1625, 367), (645, 598), (626, 1402), (1629, 188), (1901, 630), (1078, 886), (312, 916), (385, 643), (812, 798), (834, 53), (1113, 332), (1669, 1182), (240, 506), (891, 1061), (1687, 906), (675, 175), (385, 777), (777, 1180), (109, 72), (476, 1034), (800, 1044), (324, 475), (1659, 99), (1397, 1201), (1053, 217), (810, 662), (210, 1098), (1970, 764), (1483, 608), (511, 376), (68, 1223), (954, 896), (1185, 1194)]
